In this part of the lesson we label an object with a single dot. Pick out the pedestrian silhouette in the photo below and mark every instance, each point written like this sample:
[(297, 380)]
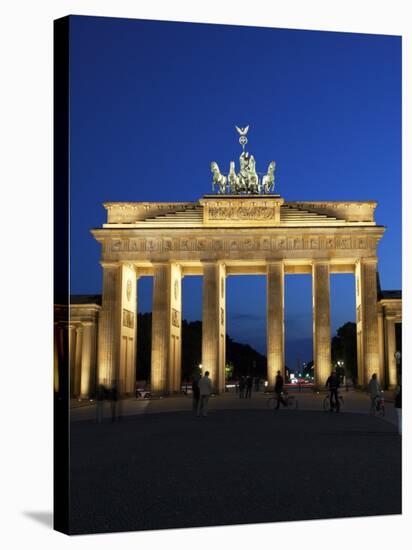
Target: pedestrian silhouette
[(100, 397), (114, 396), (249, 384), (242, 384), (333, 384), (205, 389), (279, 390), (195, 394), (374, 387), (398, 407)]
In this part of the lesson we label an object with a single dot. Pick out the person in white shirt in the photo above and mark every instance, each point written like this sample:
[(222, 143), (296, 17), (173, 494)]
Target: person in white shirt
[(205, 389)]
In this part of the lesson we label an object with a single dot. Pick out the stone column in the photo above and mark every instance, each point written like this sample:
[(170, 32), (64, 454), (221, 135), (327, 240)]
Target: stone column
[(72, 357), (381, 339), (109, 325), (390, 352), (56, 357), (87, 359), (275, 320), (175, 323), (166, 329), (321, 321), (367, 321), (127, 306), (214, 323), (78, 360)]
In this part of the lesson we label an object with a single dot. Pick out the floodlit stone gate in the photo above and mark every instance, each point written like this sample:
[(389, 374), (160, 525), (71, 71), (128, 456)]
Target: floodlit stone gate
[(219, 236)]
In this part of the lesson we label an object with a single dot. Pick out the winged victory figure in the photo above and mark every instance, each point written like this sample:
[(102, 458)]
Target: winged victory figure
[(242, 131)]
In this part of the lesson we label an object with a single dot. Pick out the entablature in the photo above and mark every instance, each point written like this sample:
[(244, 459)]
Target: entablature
[(238, 243)]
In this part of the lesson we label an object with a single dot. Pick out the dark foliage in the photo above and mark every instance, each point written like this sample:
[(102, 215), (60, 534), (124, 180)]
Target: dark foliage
[(244, 358), (344, 349)]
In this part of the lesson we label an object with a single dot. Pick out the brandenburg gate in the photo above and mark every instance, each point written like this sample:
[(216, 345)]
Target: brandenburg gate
[(243, 229)]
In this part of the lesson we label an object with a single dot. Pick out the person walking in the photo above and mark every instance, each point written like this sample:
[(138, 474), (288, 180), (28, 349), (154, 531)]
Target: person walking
[(114, 395), (398, 407), (249, 384), (205, 389), (100, 397), (195, 394), (333, 384), (279, 390), (374, 390), (242, 387)]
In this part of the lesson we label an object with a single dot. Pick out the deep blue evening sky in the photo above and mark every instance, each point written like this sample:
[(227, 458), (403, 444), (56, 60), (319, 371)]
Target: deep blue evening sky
[(153, 103)]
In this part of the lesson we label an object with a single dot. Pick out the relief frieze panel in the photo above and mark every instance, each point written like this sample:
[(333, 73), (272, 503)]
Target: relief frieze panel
[(241, 213), (175, 318), (228, 244), (128, 318)]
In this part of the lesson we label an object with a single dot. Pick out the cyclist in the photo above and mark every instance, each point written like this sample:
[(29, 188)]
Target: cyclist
[(279, 389), (333, 384), (374, 390)]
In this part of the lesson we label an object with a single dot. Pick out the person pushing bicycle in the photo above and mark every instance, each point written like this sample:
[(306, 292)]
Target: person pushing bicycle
[(279, 390), (374, 390), (332, 383)]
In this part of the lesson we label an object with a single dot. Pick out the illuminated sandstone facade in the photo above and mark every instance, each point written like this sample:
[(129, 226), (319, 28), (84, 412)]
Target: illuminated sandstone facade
[(75, 344), (390, 323), (217, 237)]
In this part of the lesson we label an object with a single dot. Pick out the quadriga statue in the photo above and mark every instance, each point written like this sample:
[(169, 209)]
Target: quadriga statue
[(268, 180), (253, 186), (243, 174), (218, 178), (234, 184)]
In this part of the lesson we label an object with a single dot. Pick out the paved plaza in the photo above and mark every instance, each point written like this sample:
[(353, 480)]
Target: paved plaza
[(161, 467)]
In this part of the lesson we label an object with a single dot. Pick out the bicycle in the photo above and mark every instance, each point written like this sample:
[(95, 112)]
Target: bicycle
[(378, 405), (327, 404), (291, 401)]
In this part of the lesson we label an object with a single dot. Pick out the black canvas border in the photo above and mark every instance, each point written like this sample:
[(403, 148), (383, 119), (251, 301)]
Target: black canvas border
[(61, 430)]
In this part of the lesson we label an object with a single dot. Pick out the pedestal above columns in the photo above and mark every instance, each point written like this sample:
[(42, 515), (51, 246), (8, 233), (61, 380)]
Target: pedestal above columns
[(238, 210)]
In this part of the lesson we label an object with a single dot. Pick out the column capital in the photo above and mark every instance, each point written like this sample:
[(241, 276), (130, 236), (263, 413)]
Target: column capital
[(109, 264), (160, 263), (367, 261), (320, 261), (214, 263)]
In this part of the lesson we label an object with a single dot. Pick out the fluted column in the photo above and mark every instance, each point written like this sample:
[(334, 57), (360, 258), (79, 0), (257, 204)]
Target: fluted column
[(72, 357), (214, 323), (175, 323), (367, 321), (78, 360), (381, 343), (166, 329), (127, 305), (275, 320), (86, 376), (390, 352), (321, 321), (160, 325), (109, 325)]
